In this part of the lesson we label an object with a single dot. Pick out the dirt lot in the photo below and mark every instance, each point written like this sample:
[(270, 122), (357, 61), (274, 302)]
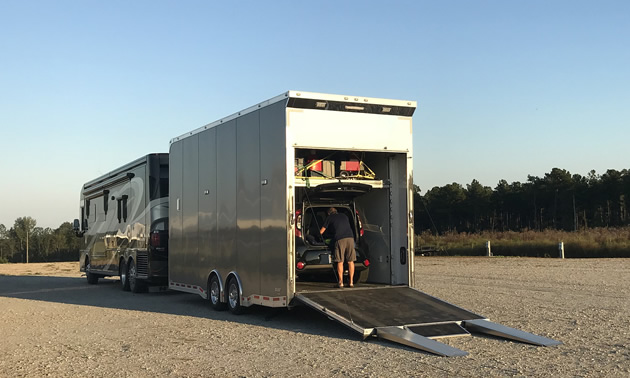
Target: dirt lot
[(53, 323)]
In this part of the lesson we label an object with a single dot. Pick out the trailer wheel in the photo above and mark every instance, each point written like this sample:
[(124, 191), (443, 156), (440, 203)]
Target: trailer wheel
[(92, 278), (124, 277), (214, 294), (136, 285), (234, 297)]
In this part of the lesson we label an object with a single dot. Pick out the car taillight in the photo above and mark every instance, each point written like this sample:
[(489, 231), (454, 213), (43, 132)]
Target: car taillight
[(360, 224), (366, 262), (300, 265), (298, 223), (155, 239)]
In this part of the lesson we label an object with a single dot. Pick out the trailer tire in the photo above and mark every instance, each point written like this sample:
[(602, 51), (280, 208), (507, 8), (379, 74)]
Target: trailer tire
[(124, 276), (136, 285), (92, 278), (214, 294), (234, 297)]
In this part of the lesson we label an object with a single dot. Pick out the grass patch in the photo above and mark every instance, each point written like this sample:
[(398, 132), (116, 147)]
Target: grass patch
[(597, 242)]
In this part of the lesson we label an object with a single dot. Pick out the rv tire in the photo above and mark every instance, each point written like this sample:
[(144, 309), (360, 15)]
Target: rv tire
[(92, 278), (136, 285), (124, 276)]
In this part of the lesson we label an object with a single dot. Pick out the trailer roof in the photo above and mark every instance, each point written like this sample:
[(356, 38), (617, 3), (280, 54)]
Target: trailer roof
[(408, 107)]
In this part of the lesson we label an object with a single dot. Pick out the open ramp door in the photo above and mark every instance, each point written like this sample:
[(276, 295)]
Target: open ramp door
[(407, 316)]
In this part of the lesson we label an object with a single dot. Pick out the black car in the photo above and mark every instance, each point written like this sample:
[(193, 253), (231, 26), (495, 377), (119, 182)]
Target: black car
[(313, 251)]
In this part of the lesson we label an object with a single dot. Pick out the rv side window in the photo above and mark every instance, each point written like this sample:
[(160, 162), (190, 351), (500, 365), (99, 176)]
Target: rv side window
[(105, 200), (124, 207), (118, 212)]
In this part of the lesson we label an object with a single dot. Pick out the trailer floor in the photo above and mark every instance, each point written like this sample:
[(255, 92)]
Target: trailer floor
[(310, 286)]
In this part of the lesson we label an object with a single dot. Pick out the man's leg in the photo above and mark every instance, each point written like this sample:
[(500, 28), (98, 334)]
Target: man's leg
[(351, 271), (340, 272)]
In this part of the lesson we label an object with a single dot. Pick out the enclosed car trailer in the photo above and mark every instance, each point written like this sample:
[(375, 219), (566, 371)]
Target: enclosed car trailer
[(237, 190)]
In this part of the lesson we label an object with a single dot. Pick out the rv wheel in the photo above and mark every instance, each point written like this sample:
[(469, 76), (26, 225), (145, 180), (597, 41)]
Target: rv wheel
[(136, 285), (124, 278), (214, 294), (92, 278), (234, 297)]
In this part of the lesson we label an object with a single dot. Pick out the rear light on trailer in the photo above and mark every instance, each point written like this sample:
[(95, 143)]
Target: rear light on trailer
[(366, 262), (360, 224), (300, 265), (155, 239), (298, 223)]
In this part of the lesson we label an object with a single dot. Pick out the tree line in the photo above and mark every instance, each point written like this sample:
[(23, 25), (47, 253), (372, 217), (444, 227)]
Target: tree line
[(42, 244), (557, 201)]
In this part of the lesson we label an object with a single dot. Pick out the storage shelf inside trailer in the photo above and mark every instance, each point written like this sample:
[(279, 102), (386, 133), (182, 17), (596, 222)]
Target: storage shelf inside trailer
[(315, 181)]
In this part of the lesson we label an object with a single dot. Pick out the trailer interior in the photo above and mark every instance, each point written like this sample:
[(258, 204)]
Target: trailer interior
[(385, 176)]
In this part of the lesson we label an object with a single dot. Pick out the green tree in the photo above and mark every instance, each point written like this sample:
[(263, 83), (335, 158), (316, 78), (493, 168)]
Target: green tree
[(6, 244), (445, 205), (477, 205), (23, 229)]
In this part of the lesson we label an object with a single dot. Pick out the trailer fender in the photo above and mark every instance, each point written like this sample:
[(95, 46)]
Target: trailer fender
[(238, 279), (221, 284)]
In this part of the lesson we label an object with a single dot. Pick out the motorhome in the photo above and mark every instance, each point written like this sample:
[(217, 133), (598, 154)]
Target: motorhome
[(124, 224)]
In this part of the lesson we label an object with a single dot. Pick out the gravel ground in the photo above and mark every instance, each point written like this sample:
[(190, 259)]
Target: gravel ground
[(52, 323)]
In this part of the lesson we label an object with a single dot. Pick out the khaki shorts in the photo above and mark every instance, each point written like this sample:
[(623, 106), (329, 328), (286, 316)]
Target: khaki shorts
[(344, 250)]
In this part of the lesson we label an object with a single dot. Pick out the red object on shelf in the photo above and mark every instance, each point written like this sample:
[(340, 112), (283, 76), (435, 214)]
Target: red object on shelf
[(315, 167), (351, 165)]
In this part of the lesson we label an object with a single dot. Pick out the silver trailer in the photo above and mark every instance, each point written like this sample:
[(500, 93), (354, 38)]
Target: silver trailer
[(242, 187), (124, 224)]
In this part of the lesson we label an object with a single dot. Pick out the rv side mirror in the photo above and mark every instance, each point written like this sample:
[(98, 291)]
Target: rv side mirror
[(76, 227)]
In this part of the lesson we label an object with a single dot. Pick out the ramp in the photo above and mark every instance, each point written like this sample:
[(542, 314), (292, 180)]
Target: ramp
[(407, 316)]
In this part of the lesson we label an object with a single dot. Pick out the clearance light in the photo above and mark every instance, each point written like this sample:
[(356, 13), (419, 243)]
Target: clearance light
[(320, 104), (353, 107), (300, 265), (366, 262)]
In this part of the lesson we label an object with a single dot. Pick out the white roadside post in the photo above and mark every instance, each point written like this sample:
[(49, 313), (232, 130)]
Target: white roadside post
[(488, 250), (561, 250)]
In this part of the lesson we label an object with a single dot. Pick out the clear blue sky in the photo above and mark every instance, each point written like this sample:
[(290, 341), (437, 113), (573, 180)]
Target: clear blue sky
[(504, 88)]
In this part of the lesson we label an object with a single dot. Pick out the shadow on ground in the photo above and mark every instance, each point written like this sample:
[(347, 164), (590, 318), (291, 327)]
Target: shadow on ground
[(108, 294)]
